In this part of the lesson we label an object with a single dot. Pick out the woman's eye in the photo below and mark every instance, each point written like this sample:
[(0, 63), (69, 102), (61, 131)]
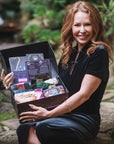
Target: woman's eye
[(88, 24), (77, 25)]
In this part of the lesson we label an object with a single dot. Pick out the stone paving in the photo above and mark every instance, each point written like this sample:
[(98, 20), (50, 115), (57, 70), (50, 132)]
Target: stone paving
[(8, 127)]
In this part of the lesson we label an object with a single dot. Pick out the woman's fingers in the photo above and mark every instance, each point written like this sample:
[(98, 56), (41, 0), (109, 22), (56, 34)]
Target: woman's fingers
[(28, 116), (38, 114), (34, 107), (8, 77), (2, 74), (7, 80), (3, 78), (27, 120), (27, 113)]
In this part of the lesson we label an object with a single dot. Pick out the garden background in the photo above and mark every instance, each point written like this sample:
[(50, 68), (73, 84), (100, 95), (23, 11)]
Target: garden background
[(30, 21)]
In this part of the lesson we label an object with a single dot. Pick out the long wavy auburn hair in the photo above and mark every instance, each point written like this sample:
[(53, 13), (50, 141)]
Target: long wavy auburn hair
[(67, 38)]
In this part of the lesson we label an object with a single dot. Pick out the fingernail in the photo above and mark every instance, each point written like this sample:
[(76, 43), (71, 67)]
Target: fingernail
[(12, 73), (30, 104), (20, 114)]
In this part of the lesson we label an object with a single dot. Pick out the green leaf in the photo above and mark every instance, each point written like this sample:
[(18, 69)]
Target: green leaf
[(109, 32), (40, 10)]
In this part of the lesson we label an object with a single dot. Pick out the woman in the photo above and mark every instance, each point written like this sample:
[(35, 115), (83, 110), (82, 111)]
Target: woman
[(84, 70)]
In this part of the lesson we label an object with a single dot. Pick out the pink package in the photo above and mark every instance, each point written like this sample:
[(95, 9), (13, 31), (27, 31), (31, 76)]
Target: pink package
[(38, 94)]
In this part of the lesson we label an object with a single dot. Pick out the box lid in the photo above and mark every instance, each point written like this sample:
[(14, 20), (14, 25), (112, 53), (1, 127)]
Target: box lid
[(40, 47)]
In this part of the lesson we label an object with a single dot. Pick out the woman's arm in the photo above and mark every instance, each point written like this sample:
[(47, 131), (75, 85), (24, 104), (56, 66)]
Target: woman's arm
[(89, 84)]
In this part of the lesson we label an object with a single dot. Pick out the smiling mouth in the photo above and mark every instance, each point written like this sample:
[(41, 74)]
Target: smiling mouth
[(82, 36)]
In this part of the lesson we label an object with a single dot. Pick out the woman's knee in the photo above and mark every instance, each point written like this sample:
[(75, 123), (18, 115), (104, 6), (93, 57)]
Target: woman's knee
[(19, 129), (22, 129), (41, 127)]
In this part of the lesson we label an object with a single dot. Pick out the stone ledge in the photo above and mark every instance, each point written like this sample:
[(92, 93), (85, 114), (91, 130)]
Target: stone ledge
[(101, 138), (104, 136), (8, 137)]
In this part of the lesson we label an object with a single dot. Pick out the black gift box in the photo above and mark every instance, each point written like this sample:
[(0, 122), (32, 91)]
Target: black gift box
[(41, 47)]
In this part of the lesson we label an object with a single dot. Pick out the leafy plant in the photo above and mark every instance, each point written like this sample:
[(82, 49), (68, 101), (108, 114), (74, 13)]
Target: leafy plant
[(111, 86), (4, 116), (40, 10), (1, 97), (33, 33), (30, 33), (52, 36), (107, 14), (51, 14)]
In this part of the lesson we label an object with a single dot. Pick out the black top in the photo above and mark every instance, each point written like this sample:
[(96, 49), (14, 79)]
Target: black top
[(97, 64)]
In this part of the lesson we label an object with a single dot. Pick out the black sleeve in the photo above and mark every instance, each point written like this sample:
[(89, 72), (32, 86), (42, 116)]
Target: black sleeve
[(99, 63)]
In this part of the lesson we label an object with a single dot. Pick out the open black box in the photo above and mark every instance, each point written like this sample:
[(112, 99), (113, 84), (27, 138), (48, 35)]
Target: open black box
[(41, 47)]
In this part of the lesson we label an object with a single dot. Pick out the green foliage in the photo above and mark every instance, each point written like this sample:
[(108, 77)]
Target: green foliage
[(4, 116), (30, 34), (34, 33), (53, 12), (111, 86), (52, 36), (107, 14), (1, 97), (55, 18), (27, 6), (40, 10)]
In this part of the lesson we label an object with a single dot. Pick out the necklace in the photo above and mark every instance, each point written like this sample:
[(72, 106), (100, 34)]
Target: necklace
[(72, 68)]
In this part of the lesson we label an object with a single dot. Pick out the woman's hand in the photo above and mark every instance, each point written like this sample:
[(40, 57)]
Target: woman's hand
[(7, 80), (38, 114)]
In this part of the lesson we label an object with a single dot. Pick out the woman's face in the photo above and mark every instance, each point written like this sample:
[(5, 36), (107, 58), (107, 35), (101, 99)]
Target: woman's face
[(82, 28)]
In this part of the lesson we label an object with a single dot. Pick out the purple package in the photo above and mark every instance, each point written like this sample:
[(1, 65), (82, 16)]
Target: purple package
[(57, 90), (37, 67), (35, 57), (17, 63), (38, 94), (20, 77)]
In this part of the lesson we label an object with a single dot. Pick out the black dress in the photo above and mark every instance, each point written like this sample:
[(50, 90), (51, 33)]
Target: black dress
[(81, 124)]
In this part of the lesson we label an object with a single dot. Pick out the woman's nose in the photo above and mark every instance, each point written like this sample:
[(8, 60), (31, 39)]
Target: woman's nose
[(82, 29)]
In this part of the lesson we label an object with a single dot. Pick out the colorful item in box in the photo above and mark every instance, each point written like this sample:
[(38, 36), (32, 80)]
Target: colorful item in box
[(20, 86), (52, 81), (17, 63), (28, 96), (54, 91), (23, 73), (20, 91), (20, 76), (34, 56), (42, 85), (37, 67), (42, 77)]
